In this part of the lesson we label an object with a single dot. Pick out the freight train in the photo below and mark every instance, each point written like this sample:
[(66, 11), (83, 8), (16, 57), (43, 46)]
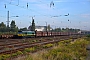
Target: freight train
[(26, 34)]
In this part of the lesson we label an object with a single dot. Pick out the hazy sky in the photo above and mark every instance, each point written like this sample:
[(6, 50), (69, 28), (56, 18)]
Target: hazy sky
[(40, 10)]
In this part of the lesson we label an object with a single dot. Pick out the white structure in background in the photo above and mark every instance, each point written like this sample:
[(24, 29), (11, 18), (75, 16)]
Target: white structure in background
[(40, 28)]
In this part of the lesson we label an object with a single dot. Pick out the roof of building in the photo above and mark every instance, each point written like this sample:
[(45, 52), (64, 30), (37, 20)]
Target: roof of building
[(40, 26)]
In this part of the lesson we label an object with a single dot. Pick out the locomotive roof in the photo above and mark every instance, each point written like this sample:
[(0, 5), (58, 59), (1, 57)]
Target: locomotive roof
[(28, 31)]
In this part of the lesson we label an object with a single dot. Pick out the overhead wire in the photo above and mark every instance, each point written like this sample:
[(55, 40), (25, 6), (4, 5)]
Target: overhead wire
[(31, 9), (28, 8)]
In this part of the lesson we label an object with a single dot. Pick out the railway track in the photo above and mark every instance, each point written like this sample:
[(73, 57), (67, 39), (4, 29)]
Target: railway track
[(12, 45)]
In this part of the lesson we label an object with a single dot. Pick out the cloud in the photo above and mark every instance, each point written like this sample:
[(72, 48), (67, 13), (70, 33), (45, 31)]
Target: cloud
[(31, 0), (85, 15), (60, 1), (88, 0), (85, 22), (43, 6)]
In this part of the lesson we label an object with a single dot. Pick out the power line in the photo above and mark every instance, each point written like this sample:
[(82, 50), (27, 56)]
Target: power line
[(31, 9), (27, 8)]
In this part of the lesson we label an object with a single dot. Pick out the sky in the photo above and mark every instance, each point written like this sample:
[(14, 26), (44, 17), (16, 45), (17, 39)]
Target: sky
[(45, 14)]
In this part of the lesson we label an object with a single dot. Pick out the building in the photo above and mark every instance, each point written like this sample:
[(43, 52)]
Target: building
[(39, 28), (84, 32)]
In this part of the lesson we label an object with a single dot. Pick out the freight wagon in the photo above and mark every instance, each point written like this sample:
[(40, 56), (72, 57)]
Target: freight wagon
[(3, 36)]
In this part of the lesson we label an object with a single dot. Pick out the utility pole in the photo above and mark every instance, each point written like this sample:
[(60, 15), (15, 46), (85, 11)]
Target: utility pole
[(46, 26), (8, 19)]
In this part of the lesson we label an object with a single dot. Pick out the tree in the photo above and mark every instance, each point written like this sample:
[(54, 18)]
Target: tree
[(58, 29), (33, 25), (2, 27), (13, 27), (23, 29), (48, 27)]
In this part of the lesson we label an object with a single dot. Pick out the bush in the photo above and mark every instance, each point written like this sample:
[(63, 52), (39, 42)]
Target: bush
[(75, 51), (29, 49), (14, 54), (19, 53), (47, 45), (88, 35), (4, 57)]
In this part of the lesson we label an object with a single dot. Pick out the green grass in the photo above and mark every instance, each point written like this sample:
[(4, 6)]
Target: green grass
[(66, 50), (63, 50)]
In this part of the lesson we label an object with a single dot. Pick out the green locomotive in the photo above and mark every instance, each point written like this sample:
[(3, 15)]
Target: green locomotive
[(26, 34)]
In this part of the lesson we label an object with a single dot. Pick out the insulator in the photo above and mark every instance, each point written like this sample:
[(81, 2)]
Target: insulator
[(5, 6), (27, 5), (18, 2), (68, 13), (52, 4)]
